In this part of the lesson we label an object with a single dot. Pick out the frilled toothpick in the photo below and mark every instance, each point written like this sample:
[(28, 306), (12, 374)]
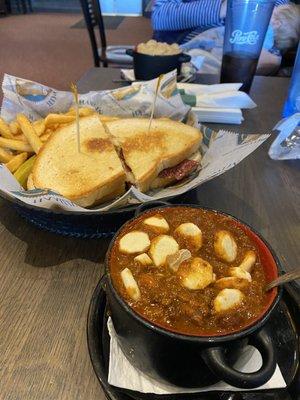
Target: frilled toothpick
[(75, 94), (154, 100)]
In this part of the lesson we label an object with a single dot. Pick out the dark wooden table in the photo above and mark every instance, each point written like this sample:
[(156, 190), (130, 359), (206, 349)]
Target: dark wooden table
[(46, 281)]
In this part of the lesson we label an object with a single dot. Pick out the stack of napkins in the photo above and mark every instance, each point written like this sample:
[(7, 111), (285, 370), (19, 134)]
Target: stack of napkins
[(221, 103)]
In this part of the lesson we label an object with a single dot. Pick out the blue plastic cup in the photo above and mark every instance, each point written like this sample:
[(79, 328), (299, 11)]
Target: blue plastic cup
[(292, 104), (246, 25)]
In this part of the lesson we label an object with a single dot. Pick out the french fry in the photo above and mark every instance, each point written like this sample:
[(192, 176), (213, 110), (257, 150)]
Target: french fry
[(71, 111), (28, 130), (107, 118), (39, 126), (45, 136), (21, 137), (16, 162), (14, 144), (83, 111), (14, 128), (5, 156), (53, 119), (4, 130), (30, 184), (23, 172)]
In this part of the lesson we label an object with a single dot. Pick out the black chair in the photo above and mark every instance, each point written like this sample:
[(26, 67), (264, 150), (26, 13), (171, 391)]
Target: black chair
[(22, 6), (103, 54), (3, 8)]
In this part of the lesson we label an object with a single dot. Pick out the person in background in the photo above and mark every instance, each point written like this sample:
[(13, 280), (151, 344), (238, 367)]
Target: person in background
[(286, 26), (283, 33), (178, 21)]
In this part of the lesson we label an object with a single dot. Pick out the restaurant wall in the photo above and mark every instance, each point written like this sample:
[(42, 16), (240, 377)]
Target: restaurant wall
[(55, 6)]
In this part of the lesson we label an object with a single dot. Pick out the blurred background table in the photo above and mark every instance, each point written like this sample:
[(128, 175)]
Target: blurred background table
[(46, 281)]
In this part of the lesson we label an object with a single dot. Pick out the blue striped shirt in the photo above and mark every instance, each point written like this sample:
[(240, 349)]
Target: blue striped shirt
[(186, 18)]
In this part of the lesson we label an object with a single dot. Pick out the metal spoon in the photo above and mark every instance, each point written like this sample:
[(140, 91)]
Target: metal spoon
[(289, 276)]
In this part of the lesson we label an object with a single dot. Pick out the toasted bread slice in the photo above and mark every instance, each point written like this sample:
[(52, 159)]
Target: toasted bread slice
[(157, 223), (240, 273), (227, 299), (225, 246), (249, 260), (196, 274), (231, 282), (162, 246), (191, 234), (88, 177), (130, 284), (110, 196), (146, 153), (143, 259), (134, 242)]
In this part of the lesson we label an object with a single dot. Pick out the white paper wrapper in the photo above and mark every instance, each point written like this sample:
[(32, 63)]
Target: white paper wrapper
[(221, 150), (122, 374)]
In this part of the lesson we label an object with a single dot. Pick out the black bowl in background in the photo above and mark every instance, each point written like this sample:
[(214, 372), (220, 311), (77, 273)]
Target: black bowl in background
[(147, 67)]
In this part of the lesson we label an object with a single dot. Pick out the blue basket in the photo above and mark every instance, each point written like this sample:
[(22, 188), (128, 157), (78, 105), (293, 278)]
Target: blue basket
[(79, 225)]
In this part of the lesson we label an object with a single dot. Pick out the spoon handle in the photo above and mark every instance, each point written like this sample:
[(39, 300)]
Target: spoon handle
[(289, 276)]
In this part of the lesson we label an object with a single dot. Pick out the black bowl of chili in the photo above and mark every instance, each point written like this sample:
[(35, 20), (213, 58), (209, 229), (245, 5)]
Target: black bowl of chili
[(194, 360)]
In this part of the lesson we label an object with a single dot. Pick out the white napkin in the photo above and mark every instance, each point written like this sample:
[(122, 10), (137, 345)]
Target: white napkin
[(219, 115), (223, 95), (220, 103), (128, 75), (232, 99), (123, 375), (197, 89)]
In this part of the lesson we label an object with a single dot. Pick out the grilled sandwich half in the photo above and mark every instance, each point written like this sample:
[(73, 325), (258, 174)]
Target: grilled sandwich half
[(156, 158), (89, 177)]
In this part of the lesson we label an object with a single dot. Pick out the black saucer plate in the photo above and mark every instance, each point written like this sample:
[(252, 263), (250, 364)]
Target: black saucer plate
[(284, 326)]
